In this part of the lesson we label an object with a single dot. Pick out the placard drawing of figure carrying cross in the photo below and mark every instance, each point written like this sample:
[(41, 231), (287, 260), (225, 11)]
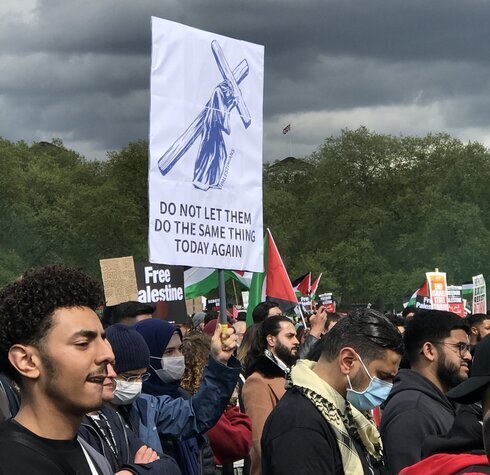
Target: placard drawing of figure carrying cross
[(213, 161)]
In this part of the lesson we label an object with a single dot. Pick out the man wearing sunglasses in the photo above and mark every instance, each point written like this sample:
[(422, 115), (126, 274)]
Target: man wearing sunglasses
[(437, 349)]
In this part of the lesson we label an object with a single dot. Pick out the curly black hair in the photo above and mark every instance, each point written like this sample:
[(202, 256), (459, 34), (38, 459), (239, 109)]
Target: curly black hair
[(27, 305)]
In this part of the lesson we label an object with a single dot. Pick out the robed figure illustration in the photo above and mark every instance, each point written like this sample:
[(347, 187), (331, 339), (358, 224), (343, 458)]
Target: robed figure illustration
[(212, 160)]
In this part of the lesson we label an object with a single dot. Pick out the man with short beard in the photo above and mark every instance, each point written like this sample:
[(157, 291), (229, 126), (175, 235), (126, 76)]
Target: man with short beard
[(437, 348), (53, 346), (271, 356)]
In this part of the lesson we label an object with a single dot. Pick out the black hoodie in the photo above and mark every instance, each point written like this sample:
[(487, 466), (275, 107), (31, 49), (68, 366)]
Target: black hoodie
[(415, 409)]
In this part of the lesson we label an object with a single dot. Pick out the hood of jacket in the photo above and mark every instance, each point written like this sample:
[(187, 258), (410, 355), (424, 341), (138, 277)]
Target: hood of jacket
[(407, 379)]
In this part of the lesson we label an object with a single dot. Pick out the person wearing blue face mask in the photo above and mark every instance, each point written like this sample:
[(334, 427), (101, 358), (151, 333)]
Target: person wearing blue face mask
[(373, 396), (325, 415)]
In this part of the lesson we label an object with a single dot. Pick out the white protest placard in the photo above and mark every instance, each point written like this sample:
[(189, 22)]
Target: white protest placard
[(455, 298), (205, 170), (328, 302), (479, 294)]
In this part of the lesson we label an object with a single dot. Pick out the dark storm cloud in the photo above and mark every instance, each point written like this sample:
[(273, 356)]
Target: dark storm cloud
[(80, 69)]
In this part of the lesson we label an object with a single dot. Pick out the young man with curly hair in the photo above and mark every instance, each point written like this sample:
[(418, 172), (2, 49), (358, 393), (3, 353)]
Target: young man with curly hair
[(53, 346)]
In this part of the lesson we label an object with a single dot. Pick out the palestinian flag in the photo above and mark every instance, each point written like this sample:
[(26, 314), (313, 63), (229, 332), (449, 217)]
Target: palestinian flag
[(273, 284), (314, 286), (244, 277), (467, 290), (420, 298), (302, 285), (201, 280)]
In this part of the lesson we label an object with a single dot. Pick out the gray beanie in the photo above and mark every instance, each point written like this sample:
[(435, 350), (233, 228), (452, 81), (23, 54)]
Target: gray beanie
[(198, 318)]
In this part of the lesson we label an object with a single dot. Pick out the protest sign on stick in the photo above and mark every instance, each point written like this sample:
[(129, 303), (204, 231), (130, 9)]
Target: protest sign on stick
[(438, 290), (328, 302), (205, 170), (479, 294), (455, 299)]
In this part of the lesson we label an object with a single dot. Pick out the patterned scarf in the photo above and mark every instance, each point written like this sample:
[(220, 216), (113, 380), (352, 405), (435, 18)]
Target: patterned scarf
[(344, 419)]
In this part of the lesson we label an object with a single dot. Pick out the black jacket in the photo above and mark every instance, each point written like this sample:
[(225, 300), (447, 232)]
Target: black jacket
[(414, 410), (465, 436), (127, 445), (10, 401), (297, 439)]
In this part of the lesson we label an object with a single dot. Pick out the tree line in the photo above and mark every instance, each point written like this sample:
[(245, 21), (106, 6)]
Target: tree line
[(373, 212)]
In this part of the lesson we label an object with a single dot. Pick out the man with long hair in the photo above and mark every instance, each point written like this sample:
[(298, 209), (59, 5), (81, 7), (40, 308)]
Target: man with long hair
[(270, 358)]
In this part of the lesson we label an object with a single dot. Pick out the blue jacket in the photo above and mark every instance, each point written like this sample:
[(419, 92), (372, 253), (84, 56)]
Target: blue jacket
[(163, 416)]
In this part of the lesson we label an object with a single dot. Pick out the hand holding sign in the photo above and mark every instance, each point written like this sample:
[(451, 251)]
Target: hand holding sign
[(223, 343)]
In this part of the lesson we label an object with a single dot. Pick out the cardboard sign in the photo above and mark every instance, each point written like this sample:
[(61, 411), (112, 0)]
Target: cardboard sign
[(163, 286), (479, 294), (438, 290), (119, 280), (455, 299)]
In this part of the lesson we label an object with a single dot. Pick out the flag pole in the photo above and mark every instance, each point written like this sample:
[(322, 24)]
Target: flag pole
[(234, 291), (222, 301), (302, 316)]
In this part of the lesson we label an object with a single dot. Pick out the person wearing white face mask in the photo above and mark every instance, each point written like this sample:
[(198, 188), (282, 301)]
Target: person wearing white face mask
[(325, 415), (156, 418), (105, 431)]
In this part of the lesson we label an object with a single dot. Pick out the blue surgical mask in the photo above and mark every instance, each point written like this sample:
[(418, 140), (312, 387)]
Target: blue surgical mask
[(373, 396)]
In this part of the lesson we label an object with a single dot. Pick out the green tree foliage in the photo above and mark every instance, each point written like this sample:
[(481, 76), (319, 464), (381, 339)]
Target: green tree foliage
[(376, 212), (57, 207), (372, 212)]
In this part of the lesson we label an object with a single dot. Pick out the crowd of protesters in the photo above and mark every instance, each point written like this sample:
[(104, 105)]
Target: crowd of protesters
[(125, 393)]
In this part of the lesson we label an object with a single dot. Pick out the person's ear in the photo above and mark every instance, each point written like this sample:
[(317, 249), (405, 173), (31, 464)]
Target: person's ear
[(429, 351), (347, 356), (26, 360), (271, 341), (474, 331)]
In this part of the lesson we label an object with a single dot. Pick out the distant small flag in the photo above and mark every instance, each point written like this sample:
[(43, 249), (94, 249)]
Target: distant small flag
[(286, 129)]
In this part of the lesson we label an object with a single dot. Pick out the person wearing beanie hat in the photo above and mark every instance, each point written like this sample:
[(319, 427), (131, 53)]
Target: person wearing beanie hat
[(198, 321), (158, 417), (104, 429), (130, 346)]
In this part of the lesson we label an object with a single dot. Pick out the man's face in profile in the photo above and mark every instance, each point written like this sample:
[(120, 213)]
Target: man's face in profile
[(74, 358)]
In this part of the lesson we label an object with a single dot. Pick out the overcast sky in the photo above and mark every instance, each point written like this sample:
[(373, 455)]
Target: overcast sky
[(79, 69)]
